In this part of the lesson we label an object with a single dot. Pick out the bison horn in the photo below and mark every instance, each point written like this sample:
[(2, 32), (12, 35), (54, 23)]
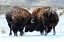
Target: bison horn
[(32, 21)]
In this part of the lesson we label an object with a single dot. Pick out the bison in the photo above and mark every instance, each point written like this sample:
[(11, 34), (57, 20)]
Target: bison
[(16, 18), (44, 19)]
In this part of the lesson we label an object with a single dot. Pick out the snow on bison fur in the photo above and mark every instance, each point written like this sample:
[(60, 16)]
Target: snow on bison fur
[(44, 20), (16, 19)]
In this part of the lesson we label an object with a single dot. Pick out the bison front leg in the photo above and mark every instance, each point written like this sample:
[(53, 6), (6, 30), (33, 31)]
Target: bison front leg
[(54, 32), (46, 31), (41, 32), (15, 32), (10, 29), (21, 32), (15, 29), (10, 32)]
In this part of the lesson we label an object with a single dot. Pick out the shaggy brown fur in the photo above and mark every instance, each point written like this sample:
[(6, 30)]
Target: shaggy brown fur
[(18, 18), (45, 15), (39, 11)]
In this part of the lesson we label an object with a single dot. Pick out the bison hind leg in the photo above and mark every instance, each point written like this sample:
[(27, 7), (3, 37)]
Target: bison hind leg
[(41, 32), (21, 32), (15, 34), (49, 29), (54, 32), (15, 30)]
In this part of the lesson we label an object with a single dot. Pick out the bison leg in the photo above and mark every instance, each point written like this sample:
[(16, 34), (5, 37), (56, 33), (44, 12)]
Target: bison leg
[(54, 32), (10, 29), (49, 29), (15, 30), (21, 32), (41, 32), (10, 32), (26, 29), (46, 29), (15, 33)]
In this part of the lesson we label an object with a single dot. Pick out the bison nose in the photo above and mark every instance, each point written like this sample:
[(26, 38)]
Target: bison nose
[(32, 21)]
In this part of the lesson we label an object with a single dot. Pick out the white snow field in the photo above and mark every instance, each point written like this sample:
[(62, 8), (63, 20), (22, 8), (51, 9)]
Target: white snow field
[(32, 36)]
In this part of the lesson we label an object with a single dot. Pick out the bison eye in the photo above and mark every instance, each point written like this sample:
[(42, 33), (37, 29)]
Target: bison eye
[(32, 21)]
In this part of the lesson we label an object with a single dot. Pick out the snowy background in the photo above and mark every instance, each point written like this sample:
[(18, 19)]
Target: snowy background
[(33, 2), (32, 36)]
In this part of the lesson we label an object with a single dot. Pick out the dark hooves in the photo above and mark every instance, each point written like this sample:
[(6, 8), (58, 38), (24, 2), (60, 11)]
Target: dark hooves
[(15, 34), (10, 34), (53, 34), (21, 34)]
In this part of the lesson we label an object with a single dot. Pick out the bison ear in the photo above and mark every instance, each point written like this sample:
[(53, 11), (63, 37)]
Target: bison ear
[(32, 21)]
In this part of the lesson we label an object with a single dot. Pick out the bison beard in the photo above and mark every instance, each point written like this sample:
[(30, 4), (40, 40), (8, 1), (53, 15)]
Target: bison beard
[(16, 19)]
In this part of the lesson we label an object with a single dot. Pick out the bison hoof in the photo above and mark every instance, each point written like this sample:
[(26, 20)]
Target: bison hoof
[(21, 34), (41, 33), (15, 34), (45, 34), (26, 30), (53, 34), (10, 34)]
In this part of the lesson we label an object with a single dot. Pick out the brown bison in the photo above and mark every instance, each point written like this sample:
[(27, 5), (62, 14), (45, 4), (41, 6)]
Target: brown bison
[(16, 19), (44, 20)]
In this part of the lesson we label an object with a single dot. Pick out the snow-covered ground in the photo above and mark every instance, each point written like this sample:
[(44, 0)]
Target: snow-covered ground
[(34, 36)]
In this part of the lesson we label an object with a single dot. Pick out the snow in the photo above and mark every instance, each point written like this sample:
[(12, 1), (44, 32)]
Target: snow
[(32, 36), (59, 11)]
